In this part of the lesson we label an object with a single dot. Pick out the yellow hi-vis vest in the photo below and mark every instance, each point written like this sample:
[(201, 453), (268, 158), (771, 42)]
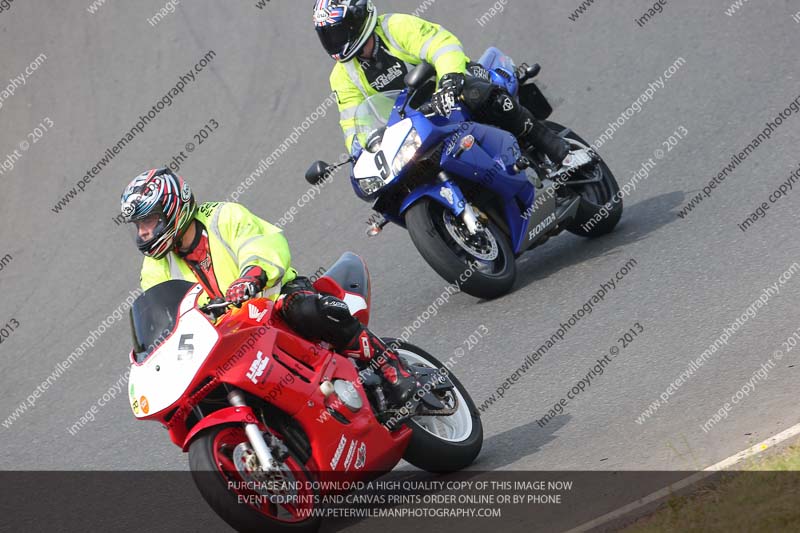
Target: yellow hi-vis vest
[(237, 239), (411, 40)]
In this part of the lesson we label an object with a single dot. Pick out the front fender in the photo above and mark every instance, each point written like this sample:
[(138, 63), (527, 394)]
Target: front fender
[(446, 193), (223, 416)]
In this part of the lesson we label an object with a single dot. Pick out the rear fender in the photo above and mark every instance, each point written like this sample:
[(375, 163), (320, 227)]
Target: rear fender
[(446, 193), (228, 415)]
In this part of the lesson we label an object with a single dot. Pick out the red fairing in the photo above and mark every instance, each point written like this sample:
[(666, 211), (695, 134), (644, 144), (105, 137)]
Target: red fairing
[(259, 354)]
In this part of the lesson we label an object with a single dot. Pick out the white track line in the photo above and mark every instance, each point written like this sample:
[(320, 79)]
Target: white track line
[(694, 478)]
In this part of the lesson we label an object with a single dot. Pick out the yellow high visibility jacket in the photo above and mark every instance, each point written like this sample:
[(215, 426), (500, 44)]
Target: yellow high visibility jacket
[(411, 40), (237, 239)]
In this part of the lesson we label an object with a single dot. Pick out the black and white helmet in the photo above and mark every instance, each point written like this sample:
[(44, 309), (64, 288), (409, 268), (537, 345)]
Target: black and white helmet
[(344, 26)]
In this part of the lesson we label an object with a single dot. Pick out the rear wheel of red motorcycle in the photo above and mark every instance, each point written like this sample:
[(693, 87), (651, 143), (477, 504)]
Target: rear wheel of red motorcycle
[(442, 443), (219, 458)]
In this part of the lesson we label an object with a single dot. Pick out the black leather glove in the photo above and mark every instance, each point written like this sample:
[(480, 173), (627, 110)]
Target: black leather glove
[(448, 94)]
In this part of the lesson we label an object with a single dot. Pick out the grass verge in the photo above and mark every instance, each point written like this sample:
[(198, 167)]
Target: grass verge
[(765, 496)]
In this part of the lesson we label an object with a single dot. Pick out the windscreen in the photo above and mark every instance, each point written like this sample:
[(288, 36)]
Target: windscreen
[(373, 114), (154, 315)]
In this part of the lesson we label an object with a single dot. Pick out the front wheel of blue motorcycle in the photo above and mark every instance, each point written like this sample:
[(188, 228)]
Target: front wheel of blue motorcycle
[(481, 263)]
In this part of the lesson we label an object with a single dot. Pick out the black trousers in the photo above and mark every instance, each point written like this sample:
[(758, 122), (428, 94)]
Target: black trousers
[(493, 105), (316, 316)]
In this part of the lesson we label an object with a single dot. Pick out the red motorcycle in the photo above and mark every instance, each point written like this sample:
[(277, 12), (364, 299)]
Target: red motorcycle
[(271, 421)]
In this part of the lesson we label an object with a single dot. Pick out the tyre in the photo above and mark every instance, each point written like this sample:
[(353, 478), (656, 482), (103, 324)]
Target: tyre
[(597, 213), (220, 457), (482, 264), (442, 443)]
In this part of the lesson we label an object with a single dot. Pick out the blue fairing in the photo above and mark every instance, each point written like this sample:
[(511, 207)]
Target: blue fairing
[(452, 200), (489, 161), (496, 61), (490, 164)]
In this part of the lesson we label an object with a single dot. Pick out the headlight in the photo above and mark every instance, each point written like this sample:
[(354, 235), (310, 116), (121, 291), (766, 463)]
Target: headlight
[(407, 151), (370, 185)]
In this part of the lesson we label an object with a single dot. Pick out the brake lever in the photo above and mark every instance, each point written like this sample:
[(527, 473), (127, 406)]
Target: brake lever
[(216, 308)]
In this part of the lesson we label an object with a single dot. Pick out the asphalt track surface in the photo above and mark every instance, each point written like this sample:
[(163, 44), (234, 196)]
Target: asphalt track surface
[(693, 276)]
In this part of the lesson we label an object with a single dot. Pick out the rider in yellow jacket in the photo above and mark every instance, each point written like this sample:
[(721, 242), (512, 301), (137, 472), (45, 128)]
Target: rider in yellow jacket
[(237, 240), (374, 52), (235, 256)]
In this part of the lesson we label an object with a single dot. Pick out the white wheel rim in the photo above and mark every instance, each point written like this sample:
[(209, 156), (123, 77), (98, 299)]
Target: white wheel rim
[(453, 428)]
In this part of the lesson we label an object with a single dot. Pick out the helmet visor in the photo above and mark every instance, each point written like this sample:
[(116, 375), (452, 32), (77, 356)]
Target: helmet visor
[(147, 232), (337, 38)]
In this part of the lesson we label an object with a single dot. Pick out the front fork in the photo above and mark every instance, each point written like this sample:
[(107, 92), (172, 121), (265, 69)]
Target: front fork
[(470, 219), (254, 435), (468, 215), (445, 192)]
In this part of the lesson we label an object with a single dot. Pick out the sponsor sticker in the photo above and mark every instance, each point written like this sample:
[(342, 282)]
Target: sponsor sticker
[(361, 456), (447, 194), (541, 226), (338, 454), (257, 367), (350, 451)]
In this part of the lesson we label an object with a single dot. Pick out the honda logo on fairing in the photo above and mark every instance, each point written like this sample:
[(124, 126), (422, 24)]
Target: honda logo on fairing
[(254, 313), (541, 226)]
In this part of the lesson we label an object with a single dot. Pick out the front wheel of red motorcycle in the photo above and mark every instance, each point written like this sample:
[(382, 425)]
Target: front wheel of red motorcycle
[(443, 443), (226, 472)]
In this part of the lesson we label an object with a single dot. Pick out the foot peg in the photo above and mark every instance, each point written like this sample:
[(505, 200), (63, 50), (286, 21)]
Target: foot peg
[(574, 160), (376, 227)]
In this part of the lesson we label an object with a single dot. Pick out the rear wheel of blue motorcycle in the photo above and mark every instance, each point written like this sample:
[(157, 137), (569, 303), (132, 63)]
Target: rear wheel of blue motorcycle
[(220, 480), (478, 277), (597, 213)]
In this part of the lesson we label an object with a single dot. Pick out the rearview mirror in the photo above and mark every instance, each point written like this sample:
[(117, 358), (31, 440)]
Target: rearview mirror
[(317, 172), (419, 75)]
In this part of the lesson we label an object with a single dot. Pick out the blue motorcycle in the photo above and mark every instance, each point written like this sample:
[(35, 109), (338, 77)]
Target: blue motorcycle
[(470, 199)]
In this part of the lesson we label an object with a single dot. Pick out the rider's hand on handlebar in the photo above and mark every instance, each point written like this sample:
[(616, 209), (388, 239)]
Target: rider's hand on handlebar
[(248, 285), (426, 109), (446, 98)]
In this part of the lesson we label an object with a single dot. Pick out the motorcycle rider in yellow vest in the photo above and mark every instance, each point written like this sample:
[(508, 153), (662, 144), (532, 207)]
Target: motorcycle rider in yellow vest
[(235, 255), (374, 52)]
